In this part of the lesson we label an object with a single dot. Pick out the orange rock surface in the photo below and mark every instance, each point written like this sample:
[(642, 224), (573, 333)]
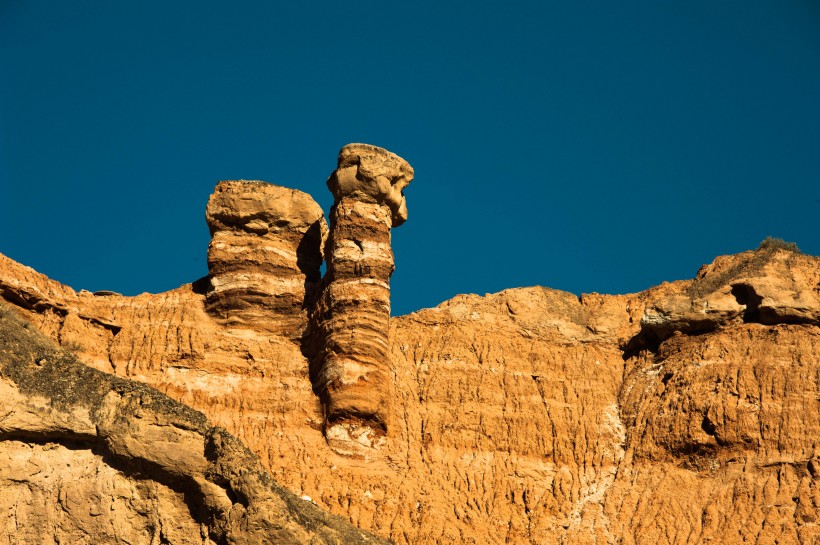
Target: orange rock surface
[(349, 347), (688, 413)]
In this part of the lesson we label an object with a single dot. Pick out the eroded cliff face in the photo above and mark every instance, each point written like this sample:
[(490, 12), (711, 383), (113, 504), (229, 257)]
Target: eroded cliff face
[(86, 457), (688, 413)]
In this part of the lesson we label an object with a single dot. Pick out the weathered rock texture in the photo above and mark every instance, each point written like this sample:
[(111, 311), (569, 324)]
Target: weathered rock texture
[(265, 256), (688, 413), (86, 457), (351, 361)]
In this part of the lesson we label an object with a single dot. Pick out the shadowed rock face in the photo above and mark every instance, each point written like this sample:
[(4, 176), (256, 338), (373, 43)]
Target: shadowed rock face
[(688, 413)]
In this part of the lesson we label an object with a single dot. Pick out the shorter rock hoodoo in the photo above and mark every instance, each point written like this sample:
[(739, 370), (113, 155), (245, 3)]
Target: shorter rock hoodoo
[(265, 256)]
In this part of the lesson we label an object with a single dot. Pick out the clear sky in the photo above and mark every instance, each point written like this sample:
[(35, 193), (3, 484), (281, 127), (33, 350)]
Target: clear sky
[(581, 145)]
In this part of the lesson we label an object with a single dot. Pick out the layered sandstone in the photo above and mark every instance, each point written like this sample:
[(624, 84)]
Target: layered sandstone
[(91, 458), (264, 258), (687, 413), (351, 361), (759, 287)]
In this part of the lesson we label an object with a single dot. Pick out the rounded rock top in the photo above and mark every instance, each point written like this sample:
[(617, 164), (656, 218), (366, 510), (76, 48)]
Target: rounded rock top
[(372, 174)]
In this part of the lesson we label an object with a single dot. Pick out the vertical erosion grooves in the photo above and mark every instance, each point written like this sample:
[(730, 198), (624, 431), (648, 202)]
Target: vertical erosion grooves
[(349, 359)]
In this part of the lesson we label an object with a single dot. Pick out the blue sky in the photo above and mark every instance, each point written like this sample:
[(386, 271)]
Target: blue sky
[(585, 146)]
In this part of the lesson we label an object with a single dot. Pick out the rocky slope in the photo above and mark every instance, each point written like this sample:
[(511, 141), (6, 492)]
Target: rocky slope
[(688, 413), (86, 457)]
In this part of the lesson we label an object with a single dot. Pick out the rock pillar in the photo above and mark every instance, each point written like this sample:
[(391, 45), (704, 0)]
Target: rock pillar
[(264, 258), (353, 311)]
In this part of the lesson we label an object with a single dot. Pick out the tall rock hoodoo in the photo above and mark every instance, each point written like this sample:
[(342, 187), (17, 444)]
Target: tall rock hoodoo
[(353, 311), (264, 257)]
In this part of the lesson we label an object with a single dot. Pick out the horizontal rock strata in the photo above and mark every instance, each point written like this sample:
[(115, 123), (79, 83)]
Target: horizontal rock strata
[(768, 286), (90, 458), (684, 414), (352, 363), (265, 256)]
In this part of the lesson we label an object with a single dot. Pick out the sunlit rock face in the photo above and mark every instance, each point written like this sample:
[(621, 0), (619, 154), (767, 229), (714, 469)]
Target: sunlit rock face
[(373, 175), (352, 362), (684, 414), (88, 457), (265, 256)]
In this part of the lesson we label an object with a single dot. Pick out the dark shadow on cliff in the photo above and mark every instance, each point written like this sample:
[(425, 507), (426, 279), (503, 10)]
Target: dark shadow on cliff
[(309, 260)]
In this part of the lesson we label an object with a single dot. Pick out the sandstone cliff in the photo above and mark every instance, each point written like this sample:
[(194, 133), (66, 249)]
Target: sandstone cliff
[(688, 413), (86, 457)]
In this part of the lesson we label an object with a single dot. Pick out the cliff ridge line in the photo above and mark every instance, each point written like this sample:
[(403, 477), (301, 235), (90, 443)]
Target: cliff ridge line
[(686, 413)]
